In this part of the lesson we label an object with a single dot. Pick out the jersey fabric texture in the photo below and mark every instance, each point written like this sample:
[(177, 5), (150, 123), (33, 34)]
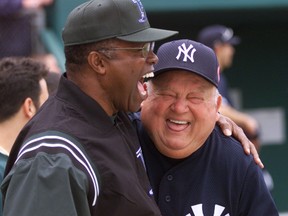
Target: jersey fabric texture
[(217, 179), (223, 88), (73, 159)]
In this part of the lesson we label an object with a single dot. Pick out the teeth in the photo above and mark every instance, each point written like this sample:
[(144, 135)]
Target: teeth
[(148, 75), (178, 122)]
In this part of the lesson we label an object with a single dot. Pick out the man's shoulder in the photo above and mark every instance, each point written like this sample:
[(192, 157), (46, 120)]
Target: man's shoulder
[(50, 141), (30, 144), (228, 147), (220, 137), (52, 148)]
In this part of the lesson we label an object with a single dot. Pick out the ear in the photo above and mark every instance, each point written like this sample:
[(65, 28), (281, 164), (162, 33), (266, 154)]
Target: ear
[(29, 108), (218, 104), (97, 62), (146, 86), (218, 46)]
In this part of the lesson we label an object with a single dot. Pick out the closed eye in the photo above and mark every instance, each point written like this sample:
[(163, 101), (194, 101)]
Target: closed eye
[(196, 100), (167, 95)]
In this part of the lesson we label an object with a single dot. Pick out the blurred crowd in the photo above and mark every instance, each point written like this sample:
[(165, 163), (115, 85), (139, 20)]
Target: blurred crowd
[(21, 23)]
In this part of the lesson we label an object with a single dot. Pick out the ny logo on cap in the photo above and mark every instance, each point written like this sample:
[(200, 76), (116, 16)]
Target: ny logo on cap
[(185, 51), (227, 34), (143, 17)]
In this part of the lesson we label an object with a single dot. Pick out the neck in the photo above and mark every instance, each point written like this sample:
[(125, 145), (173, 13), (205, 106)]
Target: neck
[(93, 86), (9, 132)]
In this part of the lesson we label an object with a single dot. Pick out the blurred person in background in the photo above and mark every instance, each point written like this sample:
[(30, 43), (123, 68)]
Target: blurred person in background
[(52, 80), (21, 22), (50, 61), (23, 90), (222, 40)]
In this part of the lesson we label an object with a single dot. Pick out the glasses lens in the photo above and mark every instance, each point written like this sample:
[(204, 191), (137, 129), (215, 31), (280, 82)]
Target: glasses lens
[(147, 48), (152, 45)]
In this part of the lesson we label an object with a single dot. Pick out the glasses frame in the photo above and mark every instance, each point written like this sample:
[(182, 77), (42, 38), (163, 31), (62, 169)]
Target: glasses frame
[(148, 47)]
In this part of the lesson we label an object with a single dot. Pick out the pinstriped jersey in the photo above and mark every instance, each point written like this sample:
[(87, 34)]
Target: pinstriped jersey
[(217, 179)]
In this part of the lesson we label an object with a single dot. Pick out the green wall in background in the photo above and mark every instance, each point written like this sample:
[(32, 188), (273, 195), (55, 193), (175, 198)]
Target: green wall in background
[(196, 5)]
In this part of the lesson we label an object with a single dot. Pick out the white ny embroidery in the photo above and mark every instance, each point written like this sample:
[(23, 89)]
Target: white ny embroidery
[(198, 210), (185, 51)]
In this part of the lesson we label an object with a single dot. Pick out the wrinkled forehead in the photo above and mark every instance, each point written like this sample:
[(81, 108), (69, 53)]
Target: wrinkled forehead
[(174, 74)]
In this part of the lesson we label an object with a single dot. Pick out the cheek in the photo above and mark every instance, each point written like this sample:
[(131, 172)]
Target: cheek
[(211, 114), (159, 106), (149, 107), (204, 112), (152, 111)]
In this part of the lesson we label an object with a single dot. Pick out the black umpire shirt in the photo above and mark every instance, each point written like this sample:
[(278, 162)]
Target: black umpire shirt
[(73, 159)]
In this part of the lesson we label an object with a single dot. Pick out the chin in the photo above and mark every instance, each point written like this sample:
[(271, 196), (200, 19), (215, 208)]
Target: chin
[(176, 146), (175, 155)]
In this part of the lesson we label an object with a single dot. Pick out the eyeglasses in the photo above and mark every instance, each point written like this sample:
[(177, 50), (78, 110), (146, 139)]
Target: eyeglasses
[(145, 49)]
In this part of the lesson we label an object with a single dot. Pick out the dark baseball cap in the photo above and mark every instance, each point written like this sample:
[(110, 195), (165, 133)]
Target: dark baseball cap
[(98, 20), (211, 35), (190, 56)]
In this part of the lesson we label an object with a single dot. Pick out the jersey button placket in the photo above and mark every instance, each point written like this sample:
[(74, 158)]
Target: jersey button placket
[(169, 179), (168, 198)]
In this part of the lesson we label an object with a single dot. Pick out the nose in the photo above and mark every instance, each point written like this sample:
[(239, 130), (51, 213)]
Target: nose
[(152, 58), (179, 105)]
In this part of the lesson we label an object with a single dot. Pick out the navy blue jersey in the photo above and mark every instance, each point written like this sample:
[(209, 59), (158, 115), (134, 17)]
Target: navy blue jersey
[(223, 88), (217, 179)]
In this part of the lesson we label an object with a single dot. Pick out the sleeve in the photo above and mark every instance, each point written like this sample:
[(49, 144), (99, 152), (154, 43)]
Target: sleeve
[(256, 198), (9, 7), (46, 185)]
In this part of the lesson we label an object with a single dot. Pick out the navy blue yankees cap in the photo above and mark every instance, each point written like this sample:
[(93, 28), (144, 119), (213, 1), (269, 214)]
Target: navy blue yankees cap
[(190, 56)]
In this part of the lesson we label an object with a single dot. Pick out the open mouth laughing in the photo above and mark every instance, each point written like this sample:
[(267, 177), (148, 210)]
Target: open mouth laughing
[(177, 125)]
